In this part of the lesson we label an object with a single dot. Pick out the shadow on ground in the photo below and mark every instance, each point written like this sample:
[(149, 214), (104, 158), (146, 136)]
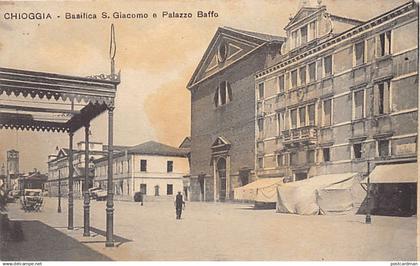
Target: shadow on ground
[(41, 242), (117, 239)]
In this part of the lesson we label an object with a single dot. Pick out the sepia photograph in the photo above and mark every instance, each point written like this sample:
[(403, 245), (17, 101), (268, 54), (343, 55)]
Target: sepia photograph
[(224, 130)]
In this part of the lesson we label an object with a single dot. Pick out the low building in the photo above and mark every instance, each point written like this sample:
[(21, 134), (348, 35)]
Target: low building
[(153, 168), (58, 167), (33, 180)]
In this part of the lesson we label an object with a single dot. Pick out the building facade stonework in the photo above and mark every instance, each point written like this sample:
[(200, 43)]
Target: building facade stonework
[(58, 168), (223, 114), (339, 101), (336, 95), (154, 169)]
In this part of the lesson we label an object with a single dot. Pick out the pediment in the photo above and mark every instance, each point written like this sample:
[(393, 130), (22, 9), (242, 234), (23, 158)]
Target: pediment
[(225, 49), (220, 142), (303, 13), (61, 154)]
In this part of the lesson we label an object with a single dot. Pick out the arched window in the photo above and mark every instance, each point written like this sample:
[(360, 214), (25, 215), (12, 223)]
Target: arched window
[(223, 94)]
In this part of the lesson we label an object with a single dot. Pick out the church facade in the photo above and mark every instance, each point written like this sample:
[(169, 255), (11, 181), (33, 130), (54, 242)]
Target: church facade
[(223, 112)]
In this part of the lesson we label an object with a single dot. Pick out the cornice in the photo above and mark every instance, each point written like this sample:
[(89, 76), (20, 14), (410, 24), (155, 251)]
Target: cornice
[(341, 37)]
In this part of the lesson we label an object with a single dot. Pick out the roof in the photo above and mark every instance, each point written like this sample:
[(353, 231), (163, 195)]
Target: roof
[(343, 36), (394, 173), (346, 19), (156, 148), (150, 148), (186, 143), (93, 95), (116, 147), (254, 39), (258, 35), (36, 175)]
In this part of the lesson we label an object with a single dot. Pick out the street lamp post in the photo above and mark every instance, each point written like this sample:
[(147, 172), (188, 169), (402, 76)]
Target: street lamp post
[(86, 200), (368, 219), (59, 191), (59, 185)]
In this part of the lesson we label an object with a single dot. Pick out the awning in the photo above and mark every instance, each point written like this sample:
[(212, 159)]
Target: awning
[(262, 183), (394, 173), (249, 191)]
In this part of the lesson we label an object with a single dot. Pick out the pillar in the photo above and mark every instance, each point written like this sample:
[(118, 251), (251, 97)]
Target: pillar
[(110, 186), (70, 181), (228, 179), (215, 183), (86, 200)]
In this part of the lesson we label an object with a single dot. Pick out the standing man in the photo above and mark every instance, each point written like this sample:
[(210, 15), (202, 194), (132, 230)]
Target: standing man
[(179, 205)]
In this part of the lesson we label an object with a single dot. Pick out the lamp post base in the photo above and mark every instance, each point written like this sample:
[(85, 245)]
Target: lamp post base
[(109, 244)]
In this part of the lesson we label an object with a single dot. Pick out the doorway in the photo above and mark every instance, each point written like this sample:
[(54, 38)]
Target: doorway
[(221, 172)]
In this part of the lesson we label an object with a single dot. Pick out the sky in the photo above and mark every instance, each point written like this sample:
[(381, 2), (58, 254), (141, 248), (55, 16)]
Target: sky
[(156, 56)]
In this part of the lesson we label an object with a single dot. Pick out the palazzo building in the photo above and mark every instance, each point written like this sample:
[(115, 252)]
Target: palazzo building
[(342, 98), (58, 167)]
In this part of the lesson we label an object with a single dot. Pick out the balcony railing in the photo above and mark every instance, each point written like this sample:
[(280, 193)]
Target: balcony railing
[(307, 134)]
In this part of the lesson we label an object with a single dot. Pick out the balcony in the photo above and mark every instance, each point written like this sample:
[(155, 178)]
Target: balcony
[(302, 135)]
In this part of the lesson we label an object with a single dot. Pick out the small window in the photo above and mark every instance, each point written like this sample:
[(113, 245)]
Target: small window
[(302, 75), (312, 31), (302, 116), (294, 39), (304, 34), (294, 78), (327, 66), (311, 114), (359, 51), (280, 161), (293, 118), (169, 189), (280, 122), (359, 104), (382, 98), (312, 71), (261, 91), (169, 166), (143, 188), (327, 118), (384, 44), (121, 166), (143, 165), (326, 154), (223, 94), (281, 83), (357, 150), (383, 148)]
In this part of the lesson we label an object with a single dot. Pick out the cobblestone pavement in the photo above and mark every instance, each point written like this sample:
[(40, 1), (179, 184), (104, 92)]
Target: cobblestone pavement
[(215, 231)]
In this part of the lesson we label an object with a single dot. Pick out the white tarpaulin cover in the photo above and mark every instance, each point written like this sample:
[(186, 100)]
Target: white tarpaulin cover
[(263, 186), (394, 173), (320, 194)]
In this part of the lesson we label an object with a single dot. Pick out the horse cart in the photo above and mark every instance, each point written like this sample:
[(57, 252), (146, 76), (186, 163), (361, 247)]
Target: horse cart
[(31, 200)]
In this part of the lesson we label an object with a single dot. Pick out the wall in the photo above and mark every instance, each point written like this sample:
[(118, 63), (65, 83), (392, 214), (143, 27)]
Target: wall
[(234, 121)]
